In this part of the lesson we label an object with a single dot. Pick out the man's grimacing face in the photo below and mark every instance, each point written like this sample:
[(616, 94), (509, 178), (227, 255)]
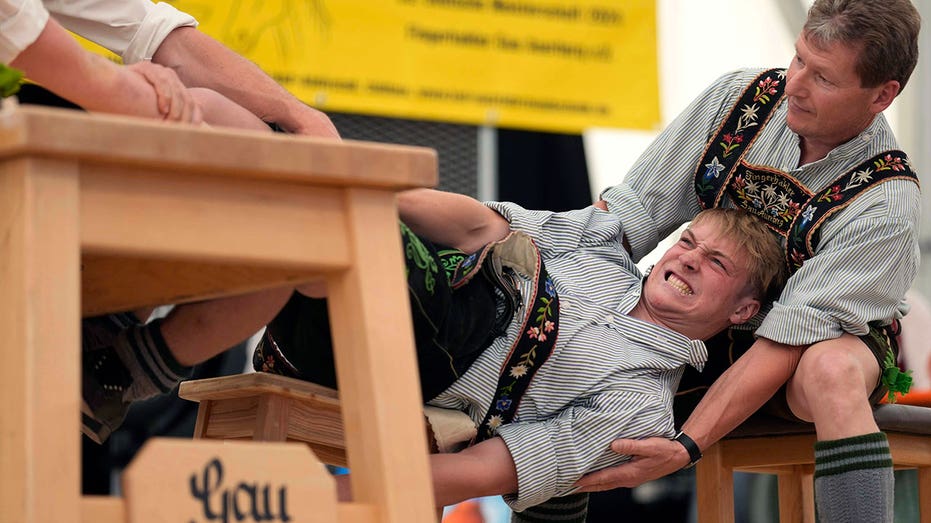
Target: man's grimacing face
[(700, 285)]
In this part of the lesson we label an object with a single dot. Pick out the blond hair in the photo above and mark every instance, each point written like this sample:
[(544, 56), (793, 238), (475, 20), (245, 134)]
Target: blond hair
[(766, 264)]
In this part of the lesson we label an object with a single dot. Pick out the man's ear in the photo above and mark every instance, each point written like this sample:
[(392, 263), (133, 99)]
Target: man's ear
[(746, 309), (885, 94)]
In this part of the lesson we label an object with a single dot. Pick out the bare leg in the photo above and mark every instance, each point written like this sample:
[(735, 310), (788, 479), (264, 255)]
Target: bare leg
[(853, 465), (196, 332), (221, 111)]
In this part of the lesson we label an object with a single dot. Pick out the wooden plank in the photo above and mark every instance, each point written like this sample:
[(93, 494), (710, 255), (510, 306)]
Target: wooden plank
[(235, 153), (39, 311), (924, 494), (910, 449), (792, 496), (714, 481), (376, 368), (759, 452), (119, 283), (254, 383), (160, 214), (103, 509), (183, 480)]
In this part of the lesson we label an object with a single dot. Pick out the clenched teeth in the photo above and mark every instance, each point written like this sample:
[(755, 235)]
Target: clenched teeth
[(678, 284)]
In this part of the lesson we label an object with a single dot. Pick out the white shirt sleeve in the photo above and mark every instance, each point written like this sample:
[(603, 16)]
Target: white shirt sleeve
[(21, 23), (133, 29)]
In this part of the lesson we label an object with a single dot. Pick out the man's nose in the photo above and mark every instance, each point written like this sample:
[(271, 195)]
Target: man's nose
[(796, 83), (689, 259)]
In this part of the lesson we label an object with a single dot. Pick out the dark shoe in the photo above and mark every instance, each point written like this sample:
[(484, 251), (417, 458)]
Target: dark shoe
[(104, 378)]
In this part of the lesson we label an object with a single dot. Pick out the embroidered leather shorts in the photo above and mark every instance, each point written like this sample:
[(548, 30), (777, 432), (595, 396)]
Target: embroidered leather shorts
[(451, 326), (726, 347)]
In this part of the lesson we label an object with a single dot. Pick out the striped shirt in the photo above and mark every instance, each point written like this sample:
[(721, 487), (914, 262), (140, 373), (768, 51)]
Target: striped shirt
[(868, 255), (609, 375)]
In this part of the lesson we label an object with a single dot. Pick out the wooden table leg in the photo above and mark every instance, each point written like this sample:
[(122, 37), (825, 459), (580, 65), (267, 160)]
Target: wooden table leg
[(714, 487), (924, 494), (40, 456), (378, 381)]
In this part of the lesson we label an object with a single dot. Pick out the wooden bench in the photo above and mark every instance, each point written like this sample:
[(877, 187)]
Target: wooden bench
[(104, 213), (267, 407), (771, 446)]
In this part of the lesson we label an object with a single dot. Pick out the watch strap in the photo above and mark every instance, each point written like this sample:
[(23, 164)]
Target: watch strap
[(690, 446)]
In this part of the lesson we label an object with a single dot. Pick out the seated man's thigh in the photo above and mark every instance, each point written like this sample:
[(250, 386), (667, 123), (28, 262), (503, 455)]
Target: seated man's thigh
[(832, 372)]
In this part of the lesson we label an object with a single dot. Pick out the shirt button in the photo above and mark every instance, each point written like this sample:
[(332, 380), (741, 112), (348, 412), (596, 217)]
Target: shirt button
[(609, 319)]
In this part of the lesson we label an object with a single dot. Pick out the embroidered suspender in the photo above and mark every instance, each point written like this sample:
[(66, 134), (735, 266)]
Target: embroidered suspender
[(805, 232), (735, 135), (538, 332)]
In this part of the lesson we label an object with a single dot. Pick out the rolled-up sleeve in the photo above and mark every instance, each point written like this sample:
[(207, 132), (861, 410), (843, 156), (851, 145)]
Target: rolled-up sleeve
[(21, 23), (133, 29), (550, 456), (867, 258)]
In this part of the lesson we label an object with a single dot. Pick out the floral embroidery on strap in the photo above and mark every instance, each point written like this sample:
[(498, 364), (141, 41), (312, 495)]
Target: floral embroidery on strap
[(530, 351), (804, 233), (736, 134)]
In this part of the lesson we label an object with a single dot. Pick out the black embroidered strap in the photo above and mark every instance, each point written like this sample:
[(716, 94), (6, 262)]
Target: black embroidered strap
[(805, 232), (735, 135), (537, 338)]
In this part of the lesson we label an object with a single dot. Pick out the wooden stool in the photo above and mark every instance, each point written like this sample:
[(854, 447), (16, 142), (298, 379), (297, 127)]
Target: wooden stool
[(771, 446), (268, 407)]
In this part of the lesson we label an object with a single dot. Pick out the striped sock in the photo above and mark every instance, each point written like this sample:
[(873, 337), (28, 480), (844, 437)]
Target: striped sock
[(567, 509), (853, 479), (153, 367)]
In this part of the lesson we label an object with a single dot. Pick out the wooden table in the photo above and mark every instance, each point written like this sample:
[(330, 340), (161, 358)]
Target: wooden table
[(101, 213)]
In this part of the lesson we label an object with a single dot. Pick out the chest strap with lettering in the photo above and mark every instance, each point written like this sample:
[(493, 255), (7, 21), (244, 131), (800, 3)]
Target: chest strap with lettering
[(736, 134)]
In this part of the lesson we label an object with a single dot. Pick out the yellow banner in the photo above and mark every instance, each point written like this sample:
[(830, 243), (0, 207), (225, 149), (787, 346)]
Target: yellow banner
[(559, 65)]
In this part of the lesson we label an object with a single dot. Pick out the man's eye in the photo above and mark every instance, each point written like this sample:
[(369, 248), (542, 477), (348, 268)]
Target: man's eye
[(718, 262), (685, 241)]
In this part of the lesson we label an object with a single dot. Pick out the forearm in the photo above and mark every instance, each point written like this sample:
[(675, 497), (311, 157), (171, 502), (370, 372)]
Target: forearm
[(741, 390), (485, 469), (451, 219), (201, 61), (57, 62)]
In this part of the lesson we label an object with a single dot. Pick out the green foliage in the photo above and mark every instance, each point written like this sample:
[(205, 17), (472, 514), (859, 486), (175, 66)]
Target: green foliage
[(10, 80)]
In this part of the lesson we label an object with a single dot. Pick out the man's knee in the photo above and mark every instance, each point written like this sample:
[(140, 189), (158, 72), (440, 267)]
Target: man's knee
[(831, 372), (844, 365)]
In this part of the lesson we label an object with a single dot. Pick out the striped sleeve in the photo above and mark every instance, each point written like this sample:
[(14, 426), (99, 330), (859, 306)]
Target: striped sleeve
[(555, 232), (550, 456), (867, 258), (657, 196)]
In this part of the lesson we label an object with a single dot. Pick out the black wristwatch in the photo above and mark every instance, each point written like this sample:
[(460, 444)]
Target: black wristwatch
[(690, 446)]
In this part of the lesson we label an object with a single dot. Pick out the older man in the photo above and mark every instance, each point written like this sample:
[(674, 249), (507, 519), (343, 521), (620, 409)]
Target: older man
[(809, 151)]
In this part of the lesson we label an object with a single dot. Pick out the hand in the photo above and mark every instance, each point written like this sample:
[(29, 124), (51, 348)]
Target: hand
[(175, 101), (652, 458), (312, 122)]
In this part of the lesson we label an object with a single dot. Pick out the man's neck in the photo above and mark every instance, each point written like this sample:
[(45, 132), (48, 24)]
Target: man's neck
[(811, 152)]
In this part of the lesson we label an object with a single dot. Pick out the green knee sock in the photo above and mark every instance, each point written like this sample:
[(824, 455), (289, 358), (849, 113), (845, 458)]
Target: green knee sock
[(853, 479)]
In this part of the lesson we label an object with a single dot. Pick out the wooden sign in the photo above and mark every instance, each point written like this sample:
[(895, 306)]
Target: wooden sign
[(200, 481)]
